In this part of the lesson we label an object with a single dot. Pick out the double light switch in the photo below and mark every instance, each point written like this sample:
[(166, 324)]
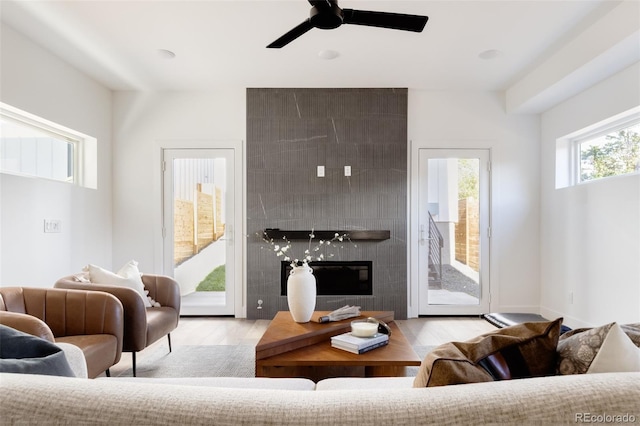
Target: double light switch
[(320, 171)]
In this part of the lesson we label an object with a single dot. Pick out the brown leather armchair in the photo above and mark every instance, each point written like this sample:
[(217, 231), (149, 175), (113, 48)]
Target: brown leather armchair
[(142, 326), (92, 321)]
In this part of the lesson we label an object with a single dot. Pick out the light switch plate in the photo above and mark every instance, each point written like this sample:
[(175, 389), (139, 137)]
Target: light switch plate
[(347, 170), (52, 225), (320, 171)]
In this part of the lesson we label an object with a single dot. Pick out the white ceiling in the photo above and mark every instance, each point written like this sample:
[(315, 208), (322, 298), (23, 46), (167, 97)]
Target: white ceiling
[(222, 43)]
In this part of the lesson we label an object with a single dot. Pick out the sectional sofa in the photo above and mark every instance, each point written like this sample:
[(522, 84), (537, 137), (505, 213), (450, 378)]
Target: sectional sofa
[(582, 398), (480, 381)]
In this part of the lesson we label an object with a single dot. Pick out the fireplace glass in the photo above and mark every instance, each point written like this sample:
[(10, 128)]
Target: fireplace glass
[(335, 278)]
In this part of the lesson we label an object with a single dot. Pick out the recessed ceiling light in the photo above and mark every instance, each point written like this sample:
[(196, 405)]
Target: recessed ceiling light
[(328, 54), (490, 54), (166, 54)]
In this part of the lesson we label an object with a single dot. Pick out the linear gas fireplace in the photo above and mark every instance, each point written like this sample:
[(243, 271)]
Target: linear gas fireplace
[(336, 278)]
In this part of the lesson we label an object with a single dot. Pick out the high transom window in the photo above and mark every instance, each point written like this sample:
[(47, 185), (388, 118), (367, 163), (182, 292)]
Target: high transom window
[(32, 146), (610, 153), (603, 150)]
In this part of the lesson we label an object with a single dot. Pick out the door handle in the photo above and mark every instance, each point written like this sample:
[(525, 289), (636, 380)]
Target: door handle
[(230, 231)]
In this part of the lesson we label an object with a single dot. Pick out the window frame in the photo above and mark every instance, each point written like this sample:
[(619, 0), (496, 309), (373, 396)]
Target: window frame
[(568, 148), (80, 163), (620, 124)]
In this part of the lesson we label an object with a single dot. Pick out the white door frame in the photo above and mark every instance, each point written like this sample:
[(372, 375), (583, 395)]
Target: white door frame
[(239, 247), (415, 221)]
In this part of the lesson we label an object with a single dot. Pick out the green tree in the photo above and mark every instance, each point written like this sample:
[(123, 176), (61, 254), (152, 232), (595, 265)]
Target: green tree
[(468, 172), (620, 154)]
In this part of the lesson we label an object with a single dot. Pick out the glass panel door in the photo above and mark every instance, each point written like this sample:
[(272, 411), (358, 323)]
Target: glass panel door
[(453, 247), (199, 224)]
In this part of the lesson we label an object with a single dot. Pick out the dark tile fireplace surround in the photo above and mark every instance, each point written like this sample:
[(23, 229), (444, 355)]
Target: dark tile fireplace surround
[(290, 132)]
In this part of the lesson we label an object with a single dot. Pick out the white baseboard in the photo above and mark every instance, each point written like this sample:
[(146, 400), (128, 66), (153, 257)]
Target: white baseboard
[(568, 320), (525, 309)]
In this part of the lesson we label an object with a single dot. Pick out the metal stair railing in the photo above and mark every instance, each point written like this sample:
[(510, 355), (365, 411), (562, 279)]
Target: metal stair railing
[(436, 244)]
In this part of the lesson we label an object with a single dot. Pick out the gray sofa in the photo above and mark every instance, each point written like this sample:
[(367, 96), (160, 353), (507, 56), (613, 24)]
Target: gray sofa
[(27, 399)]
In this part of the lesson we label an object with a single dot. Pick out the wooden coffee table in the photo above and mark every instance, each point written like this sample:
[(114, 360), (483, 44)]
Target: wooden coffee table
[(290, 349)]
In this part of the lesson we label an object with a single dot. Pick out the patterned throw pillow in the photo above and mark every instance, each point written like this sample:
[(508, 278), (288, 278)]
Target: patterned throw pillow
[(578, 348), (518, 351)]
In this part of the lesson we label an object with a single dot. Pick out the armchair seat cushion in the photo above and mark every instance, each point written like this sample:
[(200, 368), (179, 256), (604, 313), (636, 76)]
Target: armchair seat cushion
[(98, 349), (160, 322)]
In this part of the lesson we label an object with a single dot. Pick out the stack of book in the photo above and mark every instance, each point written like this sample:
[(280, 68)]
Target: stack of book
[(359, 345)]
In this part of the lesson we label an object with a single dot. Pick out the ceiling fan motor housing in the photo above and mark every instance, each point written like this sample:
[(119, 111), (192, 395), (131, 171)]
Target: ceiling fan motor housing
[(326, 18), (327, 15)]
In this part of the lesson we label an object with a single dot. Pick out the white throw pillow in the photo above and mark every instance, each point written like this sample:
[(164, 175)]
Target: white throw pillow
[(617, 353), (127, 276), (130, 269)]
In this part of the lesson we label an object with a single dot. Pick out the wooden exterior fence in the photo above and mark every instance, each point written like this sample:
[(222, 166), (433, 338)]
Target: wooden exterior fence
[(196, 224), (467, 232)]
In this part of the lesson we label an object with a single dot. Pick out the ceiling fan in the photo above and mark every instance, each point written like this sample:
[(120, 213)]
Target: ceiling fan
[(327, 15)]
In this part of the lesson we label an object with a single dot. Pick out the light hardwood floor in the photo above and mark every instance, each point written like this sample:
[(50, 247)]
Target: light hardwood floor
[(431, 331)]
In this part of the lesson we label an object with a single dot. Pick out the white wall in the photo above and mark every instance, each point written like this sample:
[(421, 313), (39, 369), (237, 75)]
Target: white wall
[(478, 120), (37, 82), (590, 234), (144, 122)]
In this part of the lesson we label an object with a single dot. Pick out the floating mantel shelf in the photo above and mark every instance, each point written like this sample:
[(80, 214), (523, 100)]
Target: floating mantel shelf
[(359, 235)]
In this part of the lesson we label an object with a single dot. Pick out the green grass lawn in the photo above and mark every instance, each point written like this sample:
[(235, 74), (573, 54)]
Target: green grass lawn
[(214, 281)]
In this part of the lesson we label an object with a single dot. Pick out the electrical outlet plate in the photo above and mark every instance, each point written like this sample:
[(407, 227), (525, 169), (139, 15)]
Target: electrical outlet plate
[(320, 171), (347, 170), (52, 225)]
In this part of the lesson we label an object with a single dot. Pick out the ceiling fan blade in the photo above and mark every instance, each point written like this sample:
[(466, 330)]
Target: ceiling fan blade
[(291, 35), (396, 21)]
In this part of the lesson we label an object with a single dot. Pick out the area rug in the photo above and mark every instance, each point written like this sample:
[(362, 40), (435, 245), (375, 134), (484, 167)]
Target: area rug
[(212, 361), (422, 351), (198, 361)]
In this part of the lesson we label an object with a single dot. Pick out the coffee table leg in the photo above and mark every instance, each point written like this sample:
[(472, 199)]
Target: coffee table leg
[(260, 371)]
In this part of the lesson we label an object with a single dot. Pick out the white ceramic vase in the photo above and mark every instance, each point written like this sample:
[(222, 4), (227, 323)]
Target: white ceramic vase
[(301, 293)]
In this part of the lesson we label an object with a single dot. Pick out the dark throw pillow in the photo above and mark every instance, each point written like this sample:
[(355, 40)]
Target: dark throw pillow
[(518, 351), (23, 353)]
